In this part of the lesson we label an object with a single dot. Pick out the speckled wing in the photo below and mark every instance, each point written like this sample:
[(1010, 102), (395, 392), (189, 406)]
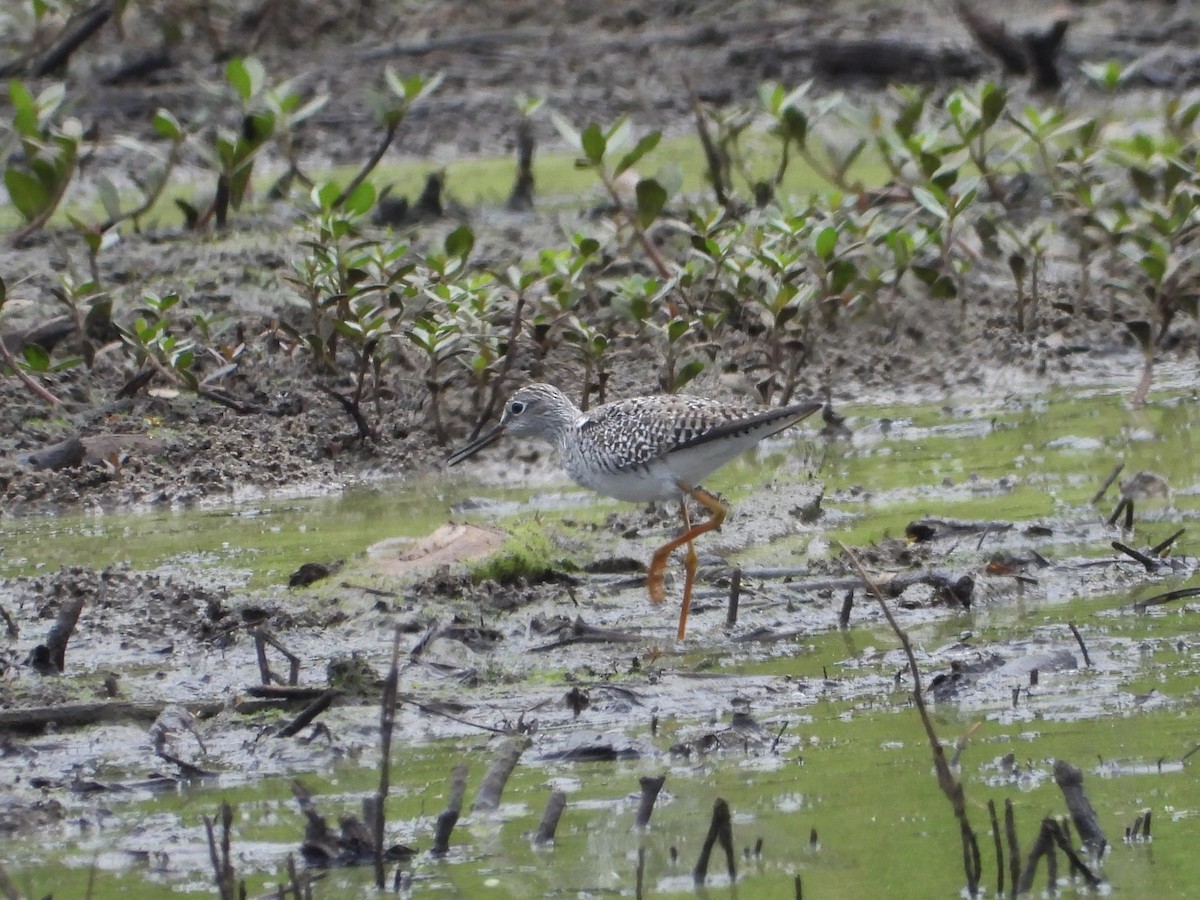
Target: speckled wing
[(640, 430)]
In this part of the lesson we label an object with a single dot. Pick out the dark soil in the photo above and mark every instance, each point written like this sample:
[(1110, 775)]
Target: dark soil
[(591, 61)]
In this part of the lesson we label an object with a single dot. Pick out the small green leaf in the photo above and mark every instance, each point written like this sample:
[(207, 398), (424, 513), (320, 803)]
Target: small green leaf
[(826, 242), (688, 372), (929, 201), (644, 146), (993, 102), (247, 77), (593, 143), (795, 125), (651, 198), (36, 358), (361, 199), (27, 193), (167, 126), (460, 242)]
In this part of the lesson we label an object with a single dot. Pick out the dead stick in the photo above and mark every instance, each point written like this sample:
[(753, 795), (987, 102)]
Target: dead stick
[(7, 887), (650, 785), (1041, 845), (1070, 781), (487, 798), (387, 724), (735, 595), (1087, 660), (1160, 599), (1117, 469), (309, 713), (1149, 564), (998, 840), (13, 631), (1161, 547), (51, 658), (1014, 850), (1063, 839), (449, 817), (847, 605), (950, 785), (550, 816), (719, 829)]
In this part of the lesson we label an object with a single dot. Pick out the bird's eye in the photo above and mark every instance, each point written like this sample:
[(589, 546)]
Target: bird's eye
[(516, 408)]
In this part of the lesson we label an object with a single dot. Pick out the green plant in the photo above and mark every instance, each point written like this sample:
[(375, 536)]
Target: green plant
[(38, 169)]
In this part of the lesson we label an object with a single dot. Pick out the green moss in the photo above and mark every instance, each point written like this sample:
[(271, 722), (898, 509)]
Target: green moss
[(527, 554)]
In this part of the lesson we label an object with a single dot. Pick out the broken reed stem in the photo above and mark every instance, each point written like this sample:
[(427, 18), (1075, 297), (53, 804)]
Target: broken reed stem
[(650, 785), (847, 605), (553, 812), (449, 817), (998, 840), (1108, 482), (735, 596), (7, 887), (1087, 660), (640, 875), (720, 829), (387, 724), (1070, 781), (487, 798), (950, 785), (1014, 849), (1159, 599), (1161, 547), (309, 713), (222, 865)]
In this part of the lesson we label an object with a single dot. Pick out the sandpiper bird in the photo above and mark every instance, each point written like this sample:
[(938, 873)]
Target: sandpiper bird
[(645, 449)]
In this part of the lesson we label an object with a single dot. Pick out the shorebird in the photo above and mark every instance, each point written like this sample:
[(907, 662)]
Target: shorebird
[(645, 449)]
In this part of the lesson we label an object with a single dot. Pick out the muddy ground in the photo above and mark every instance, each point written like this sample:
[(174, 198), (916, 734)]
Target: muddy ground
[(588, 61), (179, 636)]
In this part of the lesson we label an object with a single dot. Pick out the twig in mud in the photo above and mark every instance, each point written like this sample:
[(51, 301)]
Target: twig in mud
[(778, 737), (735, 596), (1087, 660), (1149, 564), (373, 591), (950, 785), (449, 816), (309, 713), (50, 658), (487, 797), (13, 631), (712, 157), (223, 873), (1014, 849), (1160, 599), (1070, 781), (998, 841), (1124, 506), (583, 633), (7, 887), (847, 605), (550, 816), (719, 829), (434, 711), (262, 637), (387, 724), (1162, 546), (650, 786), (1108, 482)]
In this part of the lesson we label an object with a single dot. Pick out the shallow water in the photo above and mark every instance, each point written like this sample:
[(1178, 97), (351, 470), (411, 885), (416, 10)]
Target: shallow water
[(850, 761)]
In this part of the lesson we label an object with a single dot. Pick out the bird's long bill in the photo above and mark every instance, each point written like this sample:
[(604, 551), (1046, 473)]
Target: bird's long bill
[(476, 445)]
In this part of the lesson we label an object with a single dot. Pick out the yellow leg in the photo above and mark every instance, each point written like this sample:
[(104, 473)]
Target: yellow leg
[(658, 563)]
